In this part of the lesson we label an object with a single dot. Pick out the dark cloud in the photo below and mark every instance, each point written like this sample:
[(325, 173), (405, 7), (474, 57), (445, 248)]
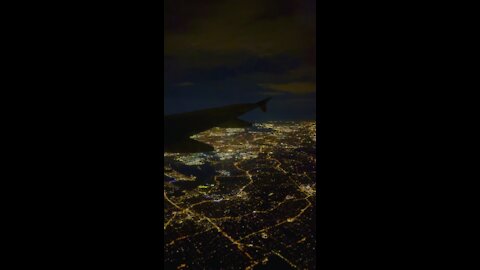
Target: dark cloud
[(228, 50), (233, 66), (261, 28), (293, 87)]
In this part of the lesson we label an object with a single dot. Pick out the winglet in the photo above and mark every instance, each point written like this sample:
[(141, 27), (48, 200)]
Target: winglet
[(263, 104)]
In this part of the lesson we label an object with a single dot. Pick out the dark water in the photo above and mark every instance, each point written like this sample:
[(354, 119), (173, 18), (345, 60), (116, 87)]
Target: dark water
[(204, 173)]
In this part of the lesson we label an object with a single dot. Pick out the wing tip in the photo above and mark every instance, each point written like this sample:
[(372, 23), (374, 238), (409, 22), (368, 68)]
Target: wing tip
[(263, 104)]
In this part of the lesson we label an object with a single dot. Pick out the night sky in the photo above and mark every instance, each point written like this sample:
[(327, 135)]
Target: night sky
[(221, 52)]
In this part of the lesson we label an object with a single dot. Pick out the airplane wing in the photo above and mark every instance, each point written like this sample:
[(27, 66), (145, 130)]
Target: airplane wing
[(179, 128)]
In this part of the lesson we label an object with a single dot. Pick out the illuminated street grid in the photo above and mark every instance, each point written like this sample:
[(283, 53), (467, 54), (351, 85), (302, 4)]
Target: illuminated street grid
[(249, 205)]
